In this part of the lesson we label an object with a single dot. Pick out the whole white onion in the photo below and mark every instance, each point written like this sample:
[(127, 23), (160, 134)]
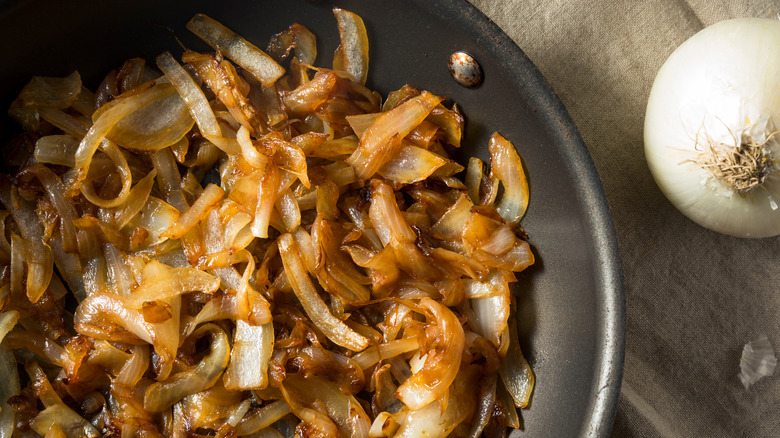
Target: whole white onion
[(709, 129)]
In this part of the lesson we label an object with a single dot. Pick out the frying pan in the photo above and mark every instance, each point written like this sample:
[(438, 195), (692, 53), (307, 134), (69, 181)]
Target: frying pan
[(571, 302)]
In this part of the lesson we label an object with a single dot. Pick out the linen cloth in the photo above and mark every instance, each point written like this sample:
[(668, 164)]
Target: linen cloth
[(694, 297)]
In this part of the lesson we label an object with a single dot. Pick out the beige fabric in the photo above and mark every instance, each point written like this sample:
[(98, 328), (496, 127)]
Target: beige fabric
[(694, 297)]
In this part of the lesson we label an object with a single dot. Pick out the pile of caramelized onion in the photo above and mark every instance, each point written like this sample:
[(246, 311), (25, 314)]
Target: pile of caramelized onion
[(223, 246)]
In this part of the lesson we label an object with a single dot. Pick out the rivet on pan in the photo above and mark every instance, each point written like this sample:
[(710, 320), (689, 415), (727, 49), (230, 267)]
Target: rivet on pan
[(465, 69)]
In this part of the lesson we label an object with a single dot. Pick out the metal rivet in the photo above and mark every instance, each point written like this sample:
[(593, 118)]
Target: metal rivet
[(465, 69)]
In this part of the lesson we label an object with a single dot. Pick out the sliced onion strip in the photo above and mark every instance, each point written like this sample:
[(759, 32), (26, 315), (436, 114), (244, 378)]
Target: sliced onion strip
[(244, 53), (211, 195), (352, 55), (315, 307), (161, 395)]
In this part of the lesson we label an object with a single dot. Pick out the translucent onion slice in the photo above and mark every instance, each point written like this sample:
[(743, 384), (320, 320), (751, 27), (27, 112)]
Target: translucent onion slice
[(71, 125), (316, 423), (352, 55), (221, 306), (159, 124), (68, 421), (162, 395), (9, 387), (505, 401), (386, 217), (101, 313), (336, 272), (56, 149), (252, 349), (199, 106), (161, 281), (318, 312), (121, 215), (382, 266), (494, 285), (156, 217), (233, 46), (485, 405), (371, 153), (222, 78), (248, 149), (343, 409), (473, 178), (8, 320), (492, 311), (55, 192), (123, 169), (305, 44), (85, 102), (119, 276), (106, 121), (508, 168), (450, 122), (211, 195), (307, 97), (212, 407), (51, 92), (266, 198), (437, 420), (261, 418), (501, 240), (516, 374), (38, 344), (411, 164), (37, 255), (373, 354), (135, 368), (361, 122)]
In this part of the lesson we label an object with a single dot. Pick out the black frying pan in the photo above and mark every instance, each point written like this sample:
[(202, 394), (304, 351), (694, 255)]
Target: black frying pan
[(572, 316)]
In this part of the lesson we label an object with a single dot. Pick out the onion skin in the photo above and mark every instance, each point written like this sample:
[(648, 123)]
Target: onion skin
[(711, 84)]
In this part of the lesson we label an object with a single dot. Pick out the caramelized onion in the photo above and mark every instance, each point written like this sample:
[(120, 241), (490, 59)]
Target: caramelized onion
[(372, 152), (506, 164), (315, 307), (161, 395), (443, 350), (256, 252)]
